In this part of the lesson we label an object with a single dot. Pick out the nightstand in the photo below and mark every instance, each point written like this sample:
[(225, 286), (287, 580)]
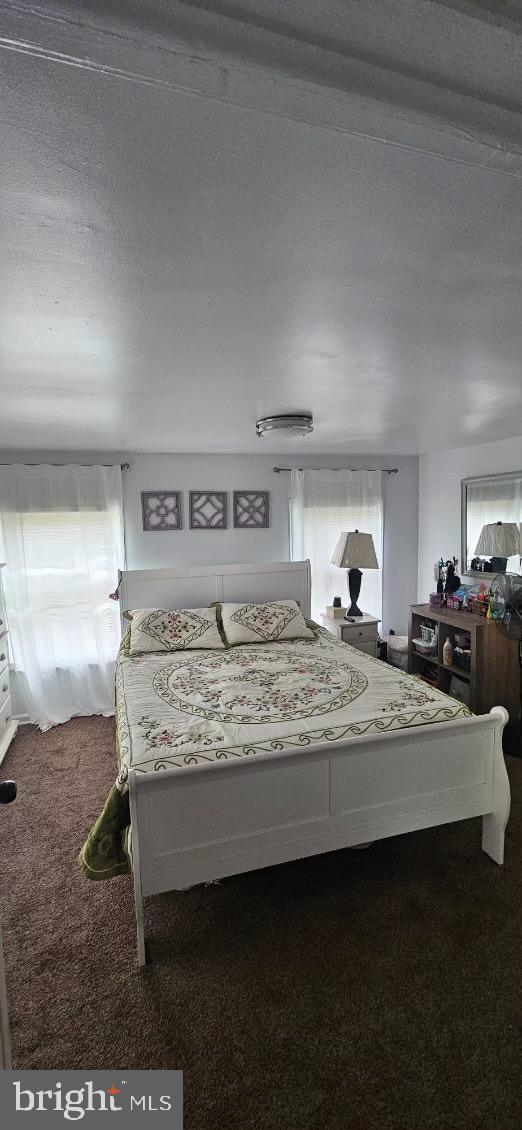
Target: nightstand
[(362, 633)]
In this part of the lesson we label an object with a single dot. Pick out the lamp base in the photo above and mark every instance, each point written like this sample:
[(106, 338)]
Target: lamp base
[(354, 588)]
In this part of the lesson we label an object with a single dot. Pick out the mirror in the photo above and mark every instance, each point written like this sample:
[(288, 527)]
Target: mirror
[(487, 501)]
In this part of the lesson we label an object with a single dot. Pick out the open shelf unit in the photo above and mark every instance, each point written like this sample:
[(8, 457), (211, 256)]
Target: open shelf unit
[(493, 677)]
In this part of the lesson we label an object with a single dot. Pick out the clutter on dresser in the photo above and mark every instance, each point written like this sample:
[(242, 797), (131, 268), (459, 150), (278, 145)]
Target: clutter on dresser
[(454, 601), (445, 573), (447, 583), (452, 581), (459, 599), (478, 601)]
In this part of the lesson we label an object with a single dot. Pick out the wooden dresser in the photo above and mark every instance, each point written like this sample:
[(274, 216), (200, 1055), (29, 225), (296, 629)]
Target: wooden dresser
[(7, 723), (494, 675)]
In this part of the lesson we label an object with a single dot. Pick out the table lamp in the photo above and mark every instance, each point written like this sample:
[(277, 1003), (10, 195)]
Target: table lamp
[(499, 540), (354, 551)]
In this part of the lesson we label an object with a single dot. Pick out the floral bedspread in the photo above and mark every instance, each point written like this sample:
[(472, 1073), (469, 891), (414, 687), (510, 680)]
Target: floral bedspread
[(176, 710)]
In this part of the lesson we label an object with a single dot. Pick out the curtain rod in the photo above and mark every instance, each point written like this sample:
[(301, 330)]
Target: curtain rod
[(385, 470), (123, 466)]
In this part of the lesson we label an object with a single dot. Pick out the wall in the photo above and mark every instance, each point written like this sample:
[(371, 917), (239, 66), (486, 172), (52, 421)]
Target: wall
[(229, 472), (440, 476)]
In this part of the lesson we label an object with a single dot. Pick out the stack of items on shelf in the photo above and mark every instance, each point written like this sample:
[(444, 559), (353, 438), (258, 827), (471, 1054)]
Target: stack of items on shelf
[(451, 593), (426, 643), (462, 651)]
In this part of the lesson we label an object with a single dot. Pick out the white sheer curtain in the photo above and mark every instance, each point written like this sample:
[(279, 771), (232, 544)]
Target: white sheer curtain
[(492, 500), (61, 535), (322, 505)]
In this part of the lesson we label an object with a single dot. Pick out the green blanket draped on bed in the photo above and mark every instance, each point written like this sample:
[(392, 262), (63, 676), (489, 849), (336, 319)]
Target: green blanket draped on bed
[(104, 853)]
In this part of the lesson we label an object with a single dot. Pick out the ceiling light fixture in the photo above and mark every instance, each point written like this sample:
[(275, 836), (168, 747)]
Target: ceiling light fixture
[(297, 424)]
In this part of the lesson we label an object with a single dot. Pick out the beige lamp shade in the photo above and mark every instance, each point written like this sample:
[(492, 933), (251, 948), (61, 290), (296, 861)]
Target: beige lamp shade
[(499, 539), (355, 551)]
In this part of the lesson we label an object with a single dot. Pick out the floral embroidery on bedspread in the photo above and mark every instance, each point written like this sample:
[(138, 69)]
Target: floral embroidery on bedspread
[(174, 760), (220, 705), (409, 696), (259, 686), (210, 706)]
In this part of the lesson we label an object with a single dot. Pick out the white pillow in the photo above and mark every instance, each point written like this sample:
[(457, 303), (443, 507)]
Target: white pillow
[(263, 623), (173, 629)]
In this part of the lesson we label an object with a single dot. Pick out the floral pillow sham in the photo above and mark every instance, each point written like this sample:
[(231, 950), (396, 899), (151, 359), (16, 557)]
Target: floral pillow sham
[(264, 623), (172, 629)]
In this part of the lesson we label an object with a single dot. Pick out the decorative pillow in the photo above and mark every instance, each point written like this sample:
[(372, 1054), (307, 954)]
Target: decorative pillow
[(263, 623), (173, 629), (125, 642)]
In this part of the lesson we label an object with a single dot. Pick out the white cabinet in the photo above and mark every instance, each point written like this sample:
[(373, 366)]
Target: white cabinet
[(362, 633), (7, 723)]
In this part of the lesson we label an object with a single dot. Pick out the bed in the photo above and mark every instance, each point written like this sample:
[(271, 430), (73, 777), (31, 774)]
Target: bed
[(349, 750)]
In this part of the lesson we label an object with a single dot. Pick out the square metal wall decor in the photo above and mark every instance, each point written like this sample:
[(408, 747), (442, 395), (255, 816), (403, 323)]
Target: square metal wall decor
[(161, 510), (251, 509), (208, 509)]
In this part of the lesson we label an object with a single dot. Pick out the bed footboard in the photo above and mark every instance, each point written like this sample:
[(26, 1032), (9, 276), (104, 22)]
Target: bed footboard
[(494, 823), (209, 821)]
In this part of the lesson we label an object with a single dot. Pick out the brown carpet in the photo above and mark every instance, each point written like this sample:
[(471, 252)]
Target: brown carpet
[(361, 989)]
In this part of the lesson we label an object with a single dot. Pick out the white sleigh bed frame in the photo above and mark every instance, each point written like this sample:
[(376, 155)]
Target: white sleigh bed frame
[(222, 818)]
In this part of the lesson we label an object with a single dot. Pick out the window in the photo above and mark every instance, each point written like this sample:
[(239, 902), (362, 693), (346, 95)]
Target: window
[(323, 504), (62, 535)]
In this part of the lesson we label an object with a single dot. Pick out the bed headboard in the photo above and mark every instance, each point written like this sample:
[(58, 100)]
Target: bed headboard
[(196, 586)]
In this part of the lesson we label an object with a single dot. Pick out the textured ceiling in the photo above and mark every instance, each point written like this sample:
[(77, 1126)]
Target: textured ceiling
[(176, 263)]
